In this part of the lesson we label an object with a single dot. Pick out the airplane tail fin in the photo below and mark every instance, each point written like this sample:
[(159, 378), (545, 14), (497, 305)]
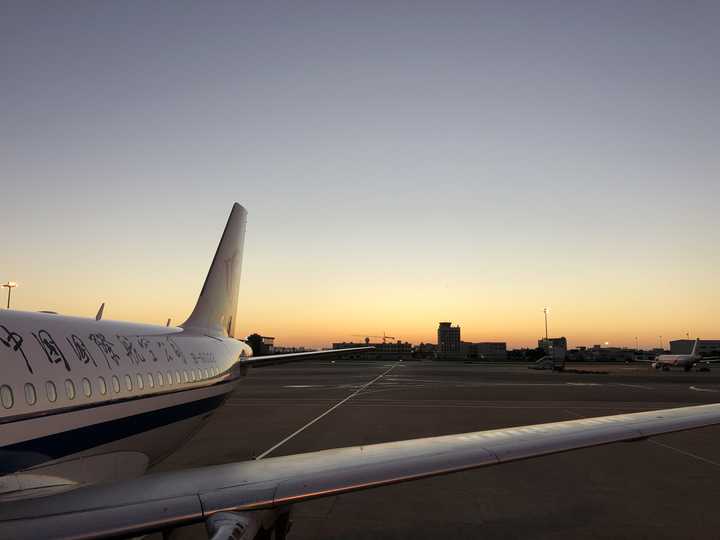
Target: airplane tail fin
[(695, 347), (216, 308)]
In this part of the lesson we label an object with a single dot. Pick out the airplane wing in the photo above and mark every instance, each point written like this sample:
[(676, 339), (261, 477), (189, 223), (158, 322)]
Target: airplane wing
[(274, 359), (166, 500)]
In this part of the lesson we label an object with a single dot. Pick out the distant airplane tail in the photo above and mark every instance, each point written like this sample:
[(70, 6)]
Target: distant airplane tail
[(695, 347), (216, 308)]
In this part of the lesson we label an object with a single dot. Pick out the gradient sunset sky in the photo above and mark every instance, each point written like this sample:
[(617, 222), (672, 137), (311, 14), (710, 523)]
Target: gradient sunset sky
[(402, 163)]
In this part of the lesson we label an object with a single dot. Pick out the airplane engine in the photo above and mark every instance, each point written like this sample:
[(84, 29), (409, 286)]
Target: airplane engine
[(254, 525), (233, 525)]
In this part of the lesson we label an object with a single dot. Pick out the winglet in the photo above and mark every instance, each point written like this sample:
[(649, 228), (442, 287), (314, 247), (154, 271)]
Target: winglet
[(214, 313), (100, 312), (695, 346)]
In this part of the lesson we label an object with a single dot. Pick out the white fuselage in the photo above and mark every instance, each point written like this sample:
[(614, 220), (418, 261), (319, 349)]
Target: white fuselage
[(83, 401), (676, 360)]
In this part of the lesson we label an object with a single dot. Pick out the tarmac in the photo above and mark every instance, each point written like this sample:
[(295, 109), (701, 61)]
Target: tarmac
[(665, 487)]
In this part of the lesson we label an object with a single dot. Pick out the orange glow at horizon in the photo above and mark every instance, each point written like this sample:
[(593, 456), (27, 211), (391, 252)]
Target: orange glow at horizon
[(310, 309)]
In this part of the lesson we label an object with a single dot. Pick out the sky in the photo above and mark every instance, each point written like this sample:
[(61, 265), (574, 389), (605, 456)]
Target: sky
[(402, 163)]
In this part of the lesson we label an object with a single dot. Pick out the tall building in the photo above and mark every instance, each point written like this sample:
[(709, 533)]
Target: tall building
[(449, 338)]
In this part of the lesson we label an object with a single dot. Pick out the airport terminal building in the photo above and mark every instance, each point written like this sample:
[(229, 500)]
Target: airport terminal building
[(706, 347)]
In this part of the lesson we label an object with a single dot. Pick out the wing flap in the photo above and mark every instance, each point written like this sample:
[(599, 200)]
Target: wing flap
[(170, 499)]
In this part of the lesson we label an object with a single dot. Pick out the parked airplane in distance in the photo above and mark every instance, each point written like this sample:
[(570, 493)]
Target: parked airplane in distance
[(685, 361), (86, 405)]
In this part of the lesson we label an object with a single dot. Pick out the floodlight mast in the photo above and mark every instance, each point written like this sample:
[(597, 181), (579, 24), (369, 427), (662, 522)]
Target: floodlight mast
[(10, 285)]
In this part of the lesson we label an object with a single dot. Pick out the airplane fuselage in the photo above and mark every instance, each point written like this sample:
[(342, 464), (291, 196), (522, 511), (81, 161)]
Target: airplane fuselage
[(686, 361), (83, 401)]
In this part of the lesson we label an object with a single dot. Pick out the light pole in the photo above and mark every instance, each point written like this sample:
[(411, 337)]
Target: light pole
[(545, 311), (10, 285), (637, 346), (661, 343)]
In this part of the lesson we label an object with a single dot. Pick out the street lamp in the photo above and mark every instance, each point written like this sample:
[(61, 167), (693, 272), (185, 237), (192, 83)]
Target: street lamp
[(637, 346), (10, 285), (545, 311)]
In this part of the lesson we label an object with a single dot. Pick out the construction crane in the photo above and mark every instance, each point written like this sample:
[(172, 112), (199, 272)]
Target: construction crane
[(367, 337)]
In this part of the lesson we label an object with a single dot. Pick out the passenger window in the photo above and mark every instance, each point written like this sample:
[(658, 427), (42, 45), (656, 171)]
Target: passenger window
[(139, 382), (51, 391), (168, 378), (160, 380), (102, 385), (116, 384), (87, 387), (30, 395), (206, 374), (192, 375), (6, 396), (177, 377), (185, 376), (151, 382), (69, 389), (128, 383)]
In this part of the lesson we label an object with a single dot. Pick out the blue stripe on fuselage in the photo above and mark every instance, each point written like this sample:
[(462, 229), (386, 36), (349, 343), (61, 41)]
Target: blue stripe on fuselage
[(20, 456)]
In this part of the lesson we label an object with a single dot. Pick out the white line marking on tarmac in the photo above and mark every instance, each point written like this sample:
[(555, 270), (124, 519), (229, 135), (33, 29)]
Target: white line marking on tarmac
[(702, 389), (331, 409), (302, 386), (583, 384), (635, 386), (686, 453)]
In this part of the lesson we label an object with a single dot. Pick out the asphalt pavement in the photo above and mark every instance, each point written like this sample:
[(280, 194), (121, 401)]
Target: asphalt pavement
[(666, 487)]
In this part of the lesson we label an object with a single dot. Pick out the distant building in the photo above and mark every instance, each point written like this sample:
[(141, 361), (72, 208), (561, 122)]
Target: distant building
[(525, 354), (706, 347), (555, 347), (598, 353), (261, 345), (289, 350), (449, 339), (425, 350), (488, 350), (399, 350)]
